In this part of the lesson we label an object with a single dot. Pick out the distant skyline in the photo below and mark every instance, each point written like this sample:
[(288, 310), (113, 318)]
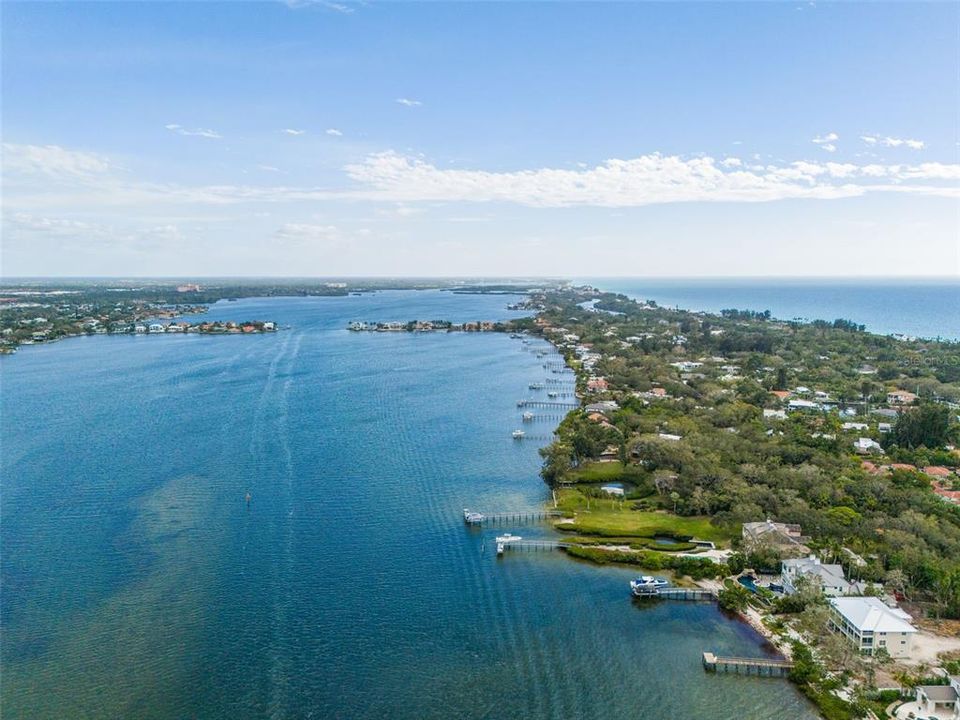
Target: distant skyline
[(307, 138)]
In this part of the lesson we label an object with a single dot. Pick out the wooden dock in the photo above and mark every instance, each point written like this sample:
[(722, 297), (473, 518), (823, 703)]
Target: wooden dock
[(474, 517), (512, 542), (761, 667), (547, 405), (679, 593)]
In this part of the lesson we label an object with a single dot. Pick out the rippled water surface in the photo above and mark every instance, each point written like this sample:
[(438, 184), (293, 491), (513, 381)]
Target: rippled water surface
[(137, 584)]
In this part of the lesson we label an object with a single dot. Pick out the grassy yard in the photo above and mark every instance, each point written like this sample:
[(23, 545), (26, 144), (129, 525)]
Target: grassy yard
[(605, 472), (613, 518)]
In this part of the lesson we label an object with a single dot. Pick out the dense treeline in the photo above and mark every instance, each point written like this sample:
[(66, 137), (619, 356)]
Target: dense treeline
[(692, 390)]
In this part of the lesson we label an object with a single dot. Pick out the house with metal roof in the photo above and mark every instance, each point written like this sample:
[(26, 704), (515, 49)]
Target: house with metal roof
[(870, 625)]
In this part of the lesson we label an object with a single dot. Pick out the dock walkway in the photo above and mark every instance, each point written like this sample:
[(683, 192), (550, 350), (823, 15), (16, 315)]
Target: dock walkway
[(513, 542), (474, 517), (763, 667)]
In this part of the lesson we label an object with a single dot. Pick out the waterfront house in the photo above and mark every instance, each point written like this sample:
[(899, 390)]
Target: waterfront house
[(610, 454), (604, 406), (157, 328), (597, 384), (828, 577), (900, 397), (870, 624), (940, 701)]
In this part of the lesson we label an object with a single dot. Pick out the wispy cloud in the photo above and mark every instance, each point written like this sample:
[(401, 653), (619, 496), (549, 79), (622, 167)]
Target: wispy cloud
[(827, 142), (328, 4), (194, 132), (87, 181), (334, 132), (647, 180), (292, 131), (54, 161), (893, 142), (408, 102), (306, 233)]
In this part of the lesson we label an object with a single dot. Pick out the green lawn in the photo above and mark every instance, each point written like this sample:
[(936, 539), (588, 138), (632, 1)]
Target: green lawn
[(612, 518), (604, 472)]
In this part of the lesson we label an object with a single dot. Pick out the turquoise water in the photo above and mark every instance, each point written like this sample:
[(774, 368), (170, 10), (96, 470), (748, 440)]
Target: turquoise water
[(137, 584), (928, 309)]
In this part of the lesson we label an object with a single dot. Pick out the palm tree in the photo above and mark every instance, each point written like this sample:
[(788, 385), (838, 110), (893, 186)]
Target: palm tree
[(675, 496)]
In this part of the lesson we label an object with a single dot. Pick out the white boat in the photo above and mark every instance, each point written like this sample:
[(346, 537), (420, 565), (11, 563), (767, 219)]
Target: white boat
[(503, 540), (518, 434), (472, 518), (535, 386), (552, 394), (527, 416), (648, 585)]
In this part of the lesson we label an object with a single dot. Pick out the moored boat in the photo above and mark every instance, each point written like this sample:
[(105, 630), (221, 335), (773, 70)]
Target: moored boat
[(648, 585)]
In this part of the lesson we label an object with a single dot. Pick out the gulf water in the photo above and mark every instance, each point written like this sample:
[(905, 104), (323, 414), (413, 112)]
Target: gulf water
[(137, 583), (921, 308)]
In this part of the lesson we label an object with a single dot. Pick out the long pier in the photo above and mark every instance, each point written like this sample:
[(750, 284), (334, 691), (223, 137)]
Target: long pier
[(680, 593), (513, 542), (762, 667), (472, 517), (547, 405)]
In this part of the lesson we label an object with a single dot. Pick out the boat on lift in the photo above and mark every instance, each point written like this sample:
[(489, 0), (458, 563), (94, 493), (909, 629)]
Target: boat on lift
[(646, 585)]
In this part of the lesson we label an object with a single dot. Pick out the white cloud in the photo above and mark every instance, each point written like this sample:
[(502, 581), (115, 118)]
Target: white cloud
[(646, 180), (194, 132), (335, 6), (334, 132), (827, 142), (292, 131), (408, 102), (85, 181), (893, 142), (269, 168), (53, 161)]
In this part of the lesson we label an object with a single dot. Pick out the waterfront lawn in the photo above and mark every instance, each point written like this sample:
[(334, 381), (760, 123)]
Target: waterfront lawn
[(606, 472), (614, 518)]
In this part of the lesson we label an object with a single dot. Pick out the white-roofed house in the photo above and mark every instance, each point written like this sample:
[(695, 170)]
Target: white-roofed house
[(870, 624), (829, 578)]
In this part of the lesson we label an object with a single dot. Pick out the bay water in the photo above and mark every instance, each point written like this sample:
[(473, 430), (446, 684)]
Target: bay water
[(139, 583)]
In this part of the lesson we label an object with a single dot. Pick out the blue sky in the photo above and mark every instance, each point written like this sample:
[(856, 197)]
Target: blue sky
[(319, 138)]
